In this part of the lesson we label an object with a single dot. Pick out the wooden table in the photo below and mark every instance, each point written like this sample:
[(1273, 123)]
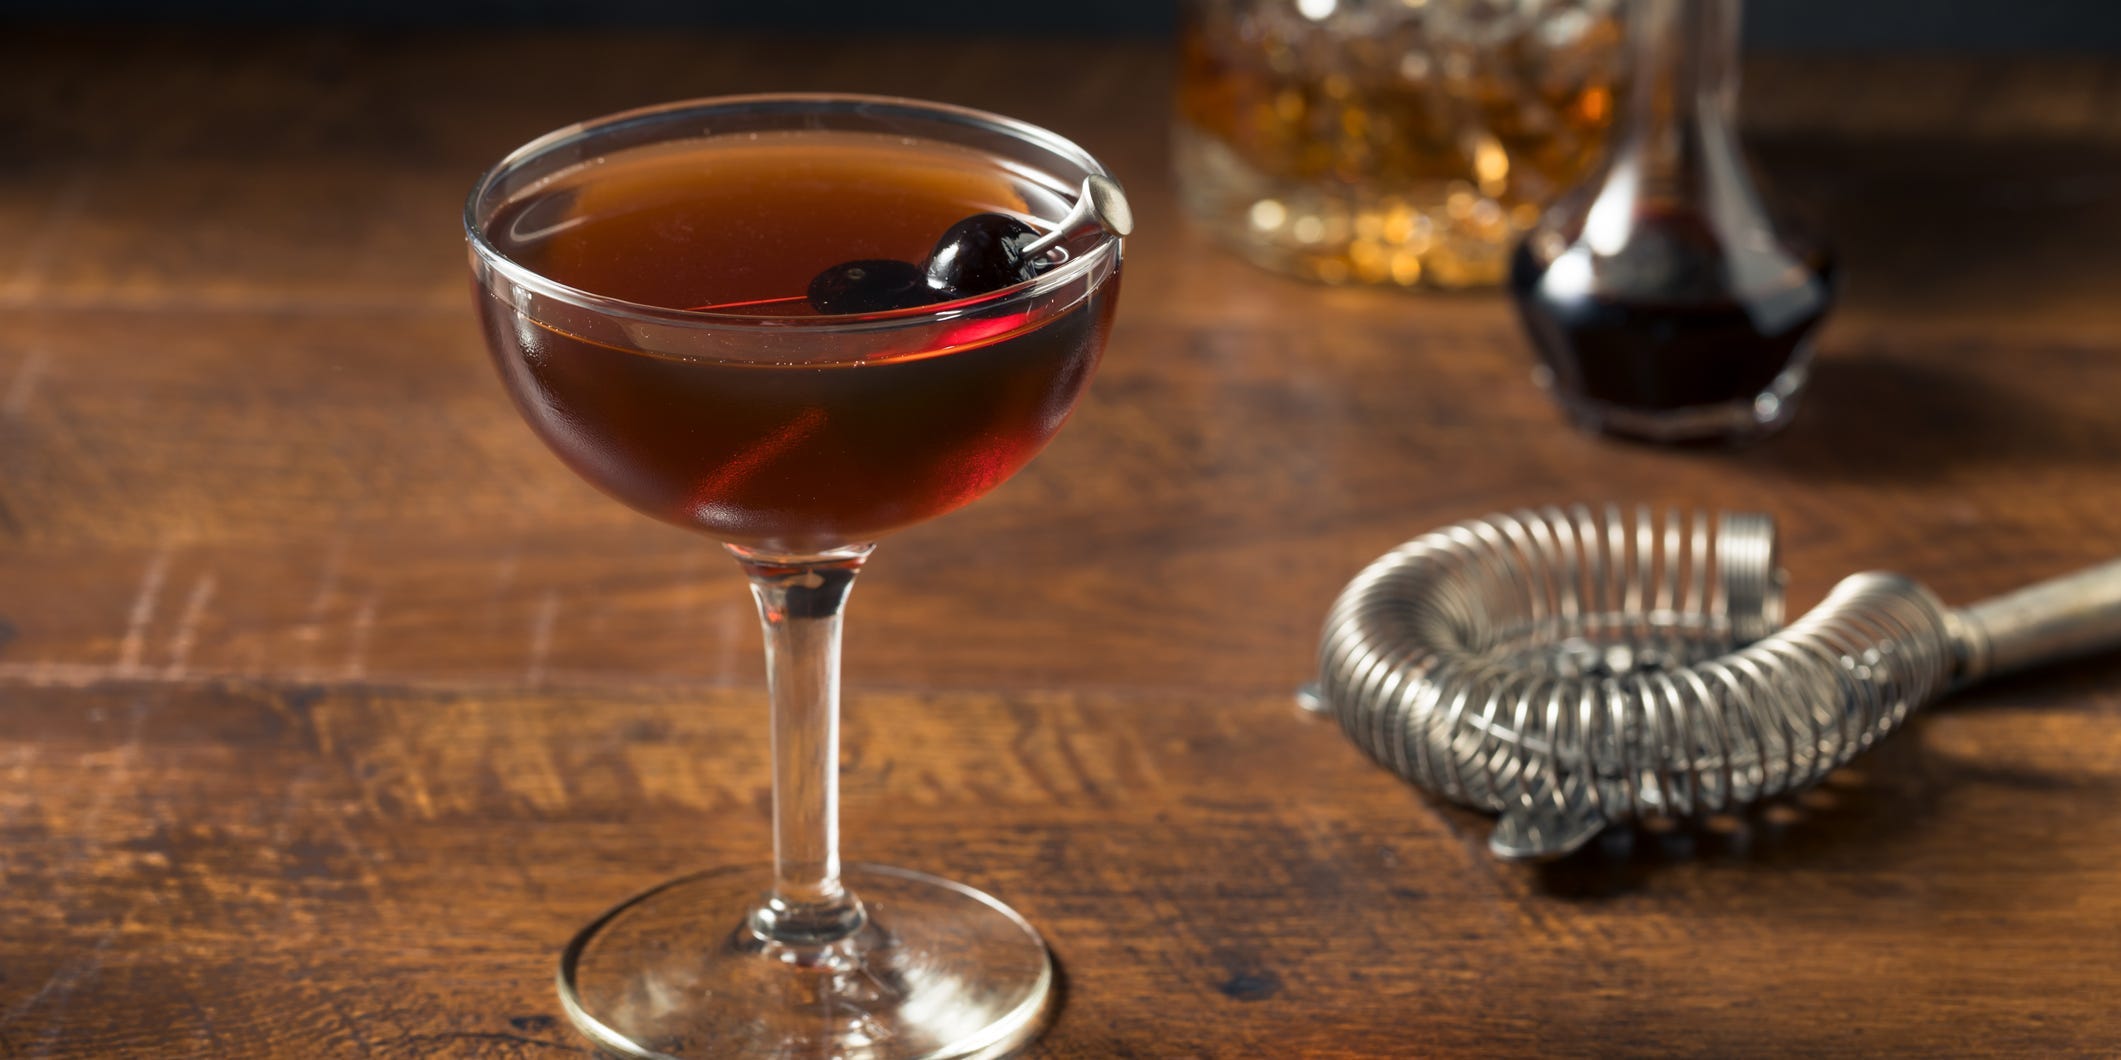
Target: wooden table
[(330, 704)]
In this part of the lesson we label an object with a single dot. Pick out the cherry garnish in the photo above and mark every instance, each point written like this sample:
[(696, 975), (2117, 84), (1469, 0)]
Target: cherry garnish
[(983, 252), (873, 285)]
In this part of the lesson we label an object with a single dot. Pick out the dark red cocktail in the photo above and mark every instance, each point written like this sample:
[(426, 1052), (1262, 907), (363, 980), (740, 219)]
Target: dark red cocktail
[(796, 456)]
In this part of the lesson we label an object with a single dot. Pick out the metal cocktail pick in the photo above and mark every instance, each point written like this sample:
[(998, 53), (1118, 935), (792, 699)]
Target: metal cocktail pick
[(1572, 671), (1100, 201)]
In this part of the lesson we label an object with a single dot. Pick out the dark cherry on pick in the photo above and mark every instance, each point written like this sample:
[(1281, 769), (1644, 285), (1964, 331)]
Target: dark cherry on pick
[(983, 252), (874, 285)]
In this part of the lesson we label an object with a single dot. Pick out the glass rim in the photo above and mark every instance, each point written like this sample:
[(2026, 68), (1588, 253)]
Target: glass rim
[(1075, 268)]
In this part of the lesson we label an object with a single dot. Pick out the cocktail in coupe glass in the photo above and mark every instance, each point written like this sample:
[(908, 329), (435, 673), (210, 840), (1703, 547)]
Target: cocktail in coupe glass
[(650, 288)]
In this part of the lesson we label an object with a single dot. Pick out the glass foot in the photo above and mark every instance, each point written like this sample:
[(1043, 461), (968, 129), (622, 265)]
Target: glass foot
[(937, 970)]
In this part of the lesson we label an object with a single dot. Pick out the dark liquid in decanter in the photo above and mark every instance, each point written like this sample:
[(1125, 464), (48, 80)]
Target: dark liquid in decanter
[(1676, 322)]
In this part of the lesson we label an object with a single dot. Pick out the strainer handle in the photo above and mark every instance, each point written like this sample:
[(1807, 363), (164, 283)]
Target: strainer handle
[(2076, 614)]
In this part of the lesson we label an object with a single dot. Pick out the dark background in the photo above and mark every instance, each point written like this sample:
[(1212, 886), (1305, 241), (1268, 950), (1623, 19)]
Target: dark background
[(1782, 25)]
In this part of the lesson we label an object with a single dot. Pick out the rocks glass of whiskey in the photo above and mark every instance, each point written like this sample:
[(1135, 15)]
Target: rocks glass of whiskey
[(1397, 142)]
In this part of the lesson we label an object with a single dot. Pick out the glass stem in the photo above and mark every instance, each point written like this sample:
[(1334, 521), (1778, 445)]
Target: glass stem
[(800, 599)]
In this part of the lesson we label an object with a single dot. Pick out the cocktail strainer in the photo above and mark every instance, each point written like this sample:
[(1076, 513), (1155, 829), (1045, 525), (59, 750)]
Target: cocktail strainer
[(1572, 670)]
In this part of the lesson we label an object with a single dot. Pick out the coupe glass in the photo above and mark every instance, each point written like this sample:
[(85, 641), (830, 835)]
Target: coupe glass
[(797, 440)]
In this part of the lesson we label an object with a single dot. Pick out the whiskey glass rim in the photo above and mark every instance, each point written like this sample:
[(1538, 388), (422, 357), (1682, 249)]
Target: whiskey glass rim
[(483, 202)]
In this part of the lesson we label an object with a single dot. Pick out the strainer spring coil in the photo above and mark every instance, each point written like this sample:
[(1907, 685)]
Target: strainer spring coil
[(1572, 670)]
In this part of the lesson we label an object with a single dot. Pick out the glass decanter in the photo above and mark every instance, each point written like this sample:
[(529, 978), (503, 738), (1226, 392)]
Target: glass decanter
[(1664, 301)]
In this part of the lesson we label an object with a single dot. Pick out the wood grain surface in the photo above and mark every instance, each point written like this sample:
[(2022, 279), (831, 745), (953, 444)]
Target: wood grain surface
[(330, 704)]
